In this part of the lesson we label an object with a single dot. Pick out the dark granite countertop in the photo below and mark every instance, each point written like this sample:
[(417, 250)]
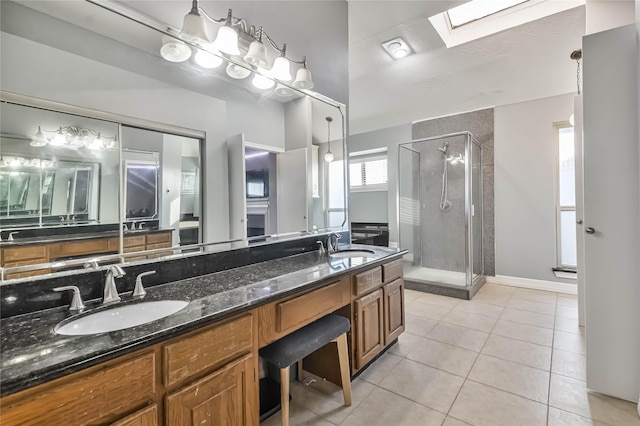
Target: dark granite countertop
[(32, 353), (45, 239)]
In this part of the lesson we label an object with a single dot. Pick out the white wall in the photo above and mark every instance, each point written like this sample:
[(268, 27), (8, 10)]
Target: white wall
[(388, 138), (602, 15), (525, 160)]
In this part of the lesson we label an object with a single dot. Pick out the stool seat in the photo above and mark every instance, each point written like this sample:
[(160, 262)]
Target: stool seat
[(297, 345), (294, 347)]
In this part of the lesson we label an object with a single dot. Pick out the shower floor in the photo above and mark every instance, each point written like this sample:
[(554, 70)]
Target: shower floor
[(417, 273)]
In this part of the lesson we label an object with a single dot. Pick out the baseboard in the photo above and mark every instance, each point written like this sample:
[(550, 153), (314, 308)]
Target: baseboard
[(533, 284)]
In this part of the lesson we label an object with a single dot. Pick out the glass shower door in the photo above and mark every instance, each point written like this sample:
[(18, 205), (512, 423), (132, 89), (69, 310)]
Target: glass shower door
[(409, 207)]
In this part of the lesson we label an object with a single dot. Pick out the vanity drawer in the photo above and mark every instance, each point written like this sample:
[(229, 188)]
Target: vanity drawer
[(207, 350), (138, 240), (297, 312), (22, 254), (85, 398), (159, 237), (100, 245), (392, 271), (367, 280)]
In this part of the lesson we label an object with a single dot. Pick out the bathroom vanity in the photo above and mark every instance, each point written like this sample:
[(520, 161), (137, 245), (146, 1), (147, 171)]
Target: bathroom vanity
[(202, 362)]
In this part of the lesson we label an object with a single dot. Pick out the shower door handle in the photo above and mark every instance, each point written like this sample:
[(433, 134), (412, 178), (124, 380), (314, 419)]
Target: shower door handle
[(590, 230)]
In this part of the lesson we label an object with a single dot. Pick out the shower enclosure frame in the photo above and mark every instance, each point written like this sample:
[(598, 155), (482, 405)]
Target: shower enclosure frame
[(470, 230)]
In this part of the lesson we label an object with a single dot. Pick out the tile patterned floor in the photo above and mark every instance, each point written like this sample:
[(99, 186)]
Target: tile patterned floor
[(509, 357)]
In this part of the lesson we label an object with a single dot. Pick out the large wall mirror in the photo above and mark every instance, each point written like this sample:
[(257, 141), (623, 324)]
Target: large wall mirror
[(110, 137)]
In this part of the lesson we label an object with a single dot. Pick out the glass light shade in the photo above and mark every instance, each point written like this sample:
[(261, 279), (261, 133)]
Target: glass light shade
[(39, 139), (237, 72), (257, 54), (207, 59), (227, 41), (303, 79), (282, 90), (262, 82), (174, 50), (194, 28), (328, 157), (281, 69), (59, 139), (96, 144)]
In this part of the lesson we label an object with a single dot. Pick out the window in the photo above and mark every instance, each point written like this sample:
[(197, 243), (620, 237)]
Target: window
[(566, 197), (368, 171)]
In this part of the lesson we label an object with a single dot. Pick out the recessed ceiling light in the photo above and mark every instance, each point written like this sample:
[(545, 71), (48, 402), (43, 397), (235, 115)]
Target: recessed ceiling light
[(397, 48)]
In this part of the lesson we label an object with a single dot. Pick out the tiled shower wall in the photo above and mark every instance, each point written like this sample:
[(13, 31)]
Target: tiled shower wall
[(480, 124)]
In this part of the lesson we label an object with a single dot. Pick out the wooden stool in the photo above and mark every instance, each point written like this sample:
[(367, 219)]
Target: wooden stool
[(295, 346)]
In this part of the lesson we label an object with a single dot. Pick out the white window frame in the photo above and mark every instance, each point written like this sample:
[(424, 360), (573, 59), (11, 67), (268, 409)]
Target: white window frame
[(363, 157), (560, 208)]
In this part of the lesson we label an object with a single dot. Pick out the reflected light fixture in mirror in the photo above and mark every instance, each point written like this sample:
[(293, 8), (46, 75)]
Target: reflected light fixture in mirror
[(74, 137), (328, 157), (228, 41)]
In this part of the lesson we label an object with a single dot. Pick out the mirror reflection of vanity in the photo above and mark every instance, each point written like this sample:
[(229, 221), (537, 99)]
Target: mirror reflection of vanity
[(163, 167)]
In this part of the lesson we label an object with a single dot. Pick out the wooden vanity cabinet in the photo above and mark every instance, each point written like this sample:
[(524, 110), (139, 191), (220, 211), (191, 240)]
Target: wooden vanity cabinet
[(378, 312), (209, 374)]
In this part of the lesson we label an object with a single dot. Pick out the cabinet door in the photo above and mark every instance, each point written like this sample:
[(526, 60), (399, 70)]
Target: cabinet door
[(393, 310), (227, 397), (369, 327), (146, 417)]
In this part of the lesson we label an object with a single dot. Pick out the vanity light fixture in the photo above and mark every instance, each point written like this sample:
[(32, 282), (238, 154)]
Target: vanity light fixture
[(328, 157), (397, 48), (230, 39), (14, 162), (74, 137)]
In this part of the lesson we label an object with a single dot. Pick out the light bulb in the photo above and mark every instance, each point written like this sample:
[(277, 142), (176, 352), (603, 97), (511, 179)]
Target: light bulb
[(174, 50), (281, 69), (237, 72), (207, 59), (262, 82), (328, 157)]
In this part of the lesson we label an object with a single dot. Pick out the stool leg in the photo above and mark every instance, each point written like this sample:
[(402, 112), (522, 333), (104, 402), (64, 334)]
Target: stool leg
[(345, 375), (284, 395)]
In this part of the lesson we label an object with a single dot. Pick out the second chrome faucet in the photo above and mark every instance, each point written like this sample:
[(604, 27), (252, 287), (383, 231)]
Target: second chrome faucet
[(110, 290)]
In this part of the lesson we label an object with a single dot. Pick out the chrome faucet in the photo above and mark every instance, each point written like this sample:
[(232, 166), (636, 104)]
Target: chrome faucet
[(110, 289), (332, 244), (11, 234)]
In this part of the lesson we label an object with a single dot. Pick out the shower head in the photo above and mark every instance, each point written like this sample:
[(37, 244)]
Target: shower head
[(444, 148)]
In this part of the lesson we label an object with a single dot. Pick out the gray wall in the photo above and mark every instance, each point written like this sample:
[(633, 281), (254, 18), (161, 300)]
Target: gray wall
[(525, 204), (480, 124), (388, 138)]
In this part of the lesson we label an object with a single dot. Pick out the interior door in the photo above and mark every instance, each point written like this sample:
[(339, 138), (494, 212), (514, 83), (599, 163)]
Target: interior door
[(237, 188), (612, 212), (292, 191)]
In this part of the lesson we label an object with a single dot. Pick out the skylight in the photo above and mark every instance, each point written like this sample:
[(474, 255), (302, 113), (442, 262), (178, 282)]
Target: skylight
[(480, 18), (478, 9)]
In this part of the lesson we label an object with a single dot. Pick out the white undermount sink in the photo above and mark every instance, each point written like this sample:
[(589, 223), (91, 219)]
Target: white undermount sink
[(347, 253), (120, 317)]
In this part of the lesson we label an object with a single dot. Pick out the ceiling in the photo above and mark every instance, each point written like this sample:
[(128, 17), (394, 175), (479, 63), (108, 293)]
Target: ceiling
[(530, 61)]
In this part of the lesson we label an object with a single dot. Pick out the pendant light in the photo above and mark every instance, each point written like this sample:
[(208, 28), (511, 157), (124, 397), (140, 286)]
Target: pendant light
[(328, 157)]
